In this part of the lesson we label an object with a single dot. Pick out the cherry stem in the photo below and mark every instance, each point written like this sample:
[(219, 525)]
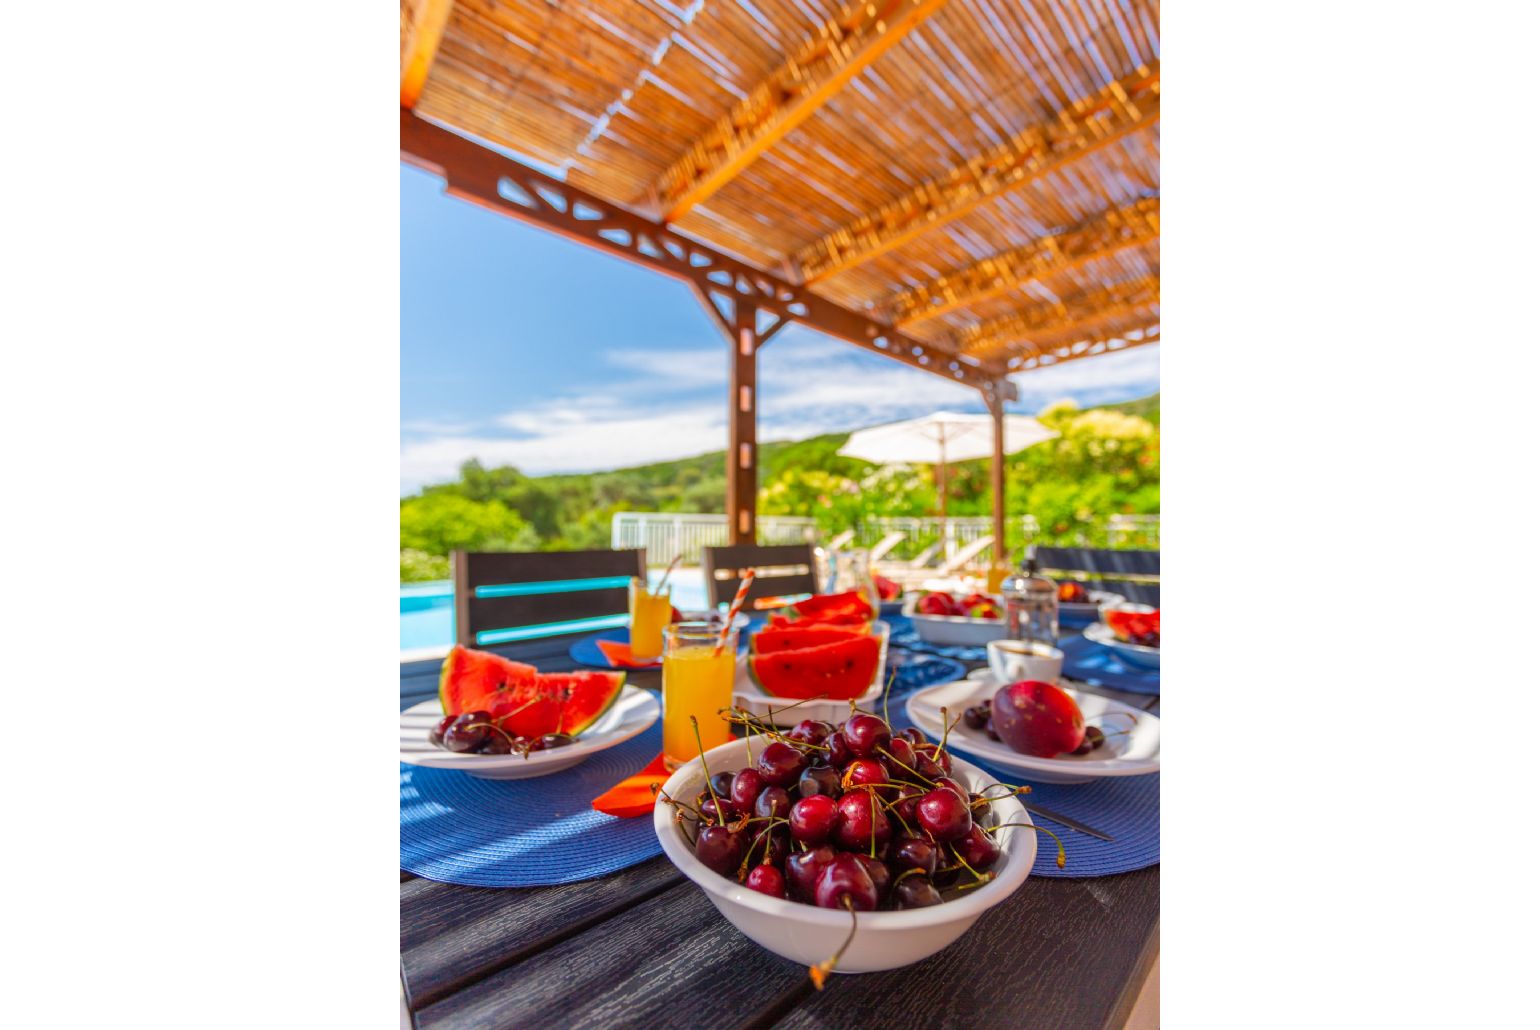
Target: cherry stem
[(694, 725), (1058, 859), (821, 971), (978, 877), (892, 679), (743, 867), (923, 778)]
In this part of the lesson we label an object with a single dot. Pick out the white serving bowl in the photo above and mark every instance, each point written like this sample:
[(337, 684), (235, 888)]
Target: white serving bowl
[(748, 696), (954, 630), (807, 934)]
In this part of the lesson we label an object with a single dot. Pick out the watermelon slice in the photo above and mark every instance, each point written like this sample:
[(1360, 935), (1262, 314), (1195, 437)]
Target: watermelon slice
[(798, 636), (851, 621), (479, 681), (840, 671), (585, 696), (524, 701), (820, 607)]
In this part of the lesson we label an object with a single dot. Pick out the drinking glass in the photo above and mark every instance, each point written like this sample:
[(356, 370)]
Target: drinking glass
[(650, 612), (697, 680), (853, 571)]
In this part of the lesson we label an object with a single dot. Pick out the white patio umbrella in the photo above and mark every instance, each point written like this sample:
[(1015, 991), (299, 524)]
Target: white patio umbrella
[(942, 437)]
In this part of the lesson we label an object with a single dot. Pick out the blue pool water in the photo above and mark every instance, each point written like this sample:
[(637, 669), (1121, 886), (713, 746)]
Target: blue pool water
[(428, 614)]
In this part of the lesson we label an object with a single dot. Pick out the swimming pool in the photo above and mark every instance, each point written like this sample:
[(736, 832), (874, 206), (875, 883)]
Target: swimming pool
[(428, 611)]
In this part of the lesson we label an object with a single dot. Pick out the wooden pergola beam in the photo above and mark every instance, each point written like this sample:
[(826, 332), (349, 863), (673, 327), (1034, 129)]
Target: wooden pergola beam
[(472, 172), (1102, 341), (788, 96), (1097, 237), (1122, 107), (419, 46), (1102, 303)]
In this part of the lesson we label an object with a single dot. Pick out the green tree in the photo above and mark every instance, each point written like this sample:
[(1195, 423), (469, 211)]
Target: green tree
[(438, 523)]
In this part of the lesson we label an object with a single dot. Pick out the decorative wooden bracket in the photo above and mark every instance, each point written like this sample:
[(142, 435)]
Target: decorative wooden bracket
[(481, 176)]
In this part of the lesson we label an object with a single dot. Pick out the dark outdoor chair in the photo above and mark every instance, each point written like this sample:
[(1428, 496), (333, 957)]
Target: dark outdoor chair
[(1134, 574), (779, 569), (505, 596)]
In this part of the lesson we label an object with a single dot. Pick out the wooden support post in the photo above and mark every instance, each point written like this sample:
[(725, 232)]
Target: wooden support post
[(997, 476), (742, 447)]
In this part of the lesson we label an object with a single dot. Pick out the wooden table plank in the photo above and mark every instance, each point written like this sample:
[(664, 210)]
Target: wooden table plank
[(671, 960), (452, 936), (1058, 953)]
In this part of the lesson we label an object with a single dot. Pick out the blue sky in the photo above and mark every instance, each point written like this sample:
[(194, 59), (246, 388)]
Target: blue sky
[(519, 347)]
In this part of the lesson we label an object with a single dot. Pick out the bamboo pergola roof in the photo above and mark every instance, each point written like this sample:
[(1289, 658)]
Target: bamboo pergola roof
[(980, 176)]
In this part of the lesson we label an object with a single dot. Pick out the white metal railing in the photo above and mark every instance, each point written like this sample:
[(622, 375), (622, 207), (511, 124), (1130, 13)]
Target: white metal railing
[(1145, 527), (665, 534)]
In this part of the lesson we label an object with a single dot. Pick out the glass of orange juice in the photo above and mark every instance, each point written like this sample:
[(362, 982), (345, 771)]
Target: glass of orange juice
[(650, 612), (697, 680)]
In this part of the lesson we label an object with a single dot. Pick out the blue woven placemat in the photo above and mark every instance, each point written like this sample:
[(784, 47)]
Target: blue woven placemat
[(913, 671), (902, 634), (1126, 808), (456, 828), (1090, 662)]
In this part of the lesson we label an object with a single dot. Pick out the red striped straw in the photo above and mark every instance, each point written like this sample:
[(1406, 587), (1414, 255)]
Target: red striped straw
[(732, 610)]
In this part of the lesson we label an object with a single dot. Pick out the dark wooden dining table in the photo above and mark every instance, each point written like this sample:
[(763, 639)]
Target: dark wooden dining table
[(644, 947)]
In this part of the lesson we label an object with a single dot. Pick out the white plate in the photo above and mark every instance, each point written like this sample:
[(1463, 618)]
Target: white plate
[(954, 630), (1133, 754), (1134, 654), (632, 713), (750, 698)]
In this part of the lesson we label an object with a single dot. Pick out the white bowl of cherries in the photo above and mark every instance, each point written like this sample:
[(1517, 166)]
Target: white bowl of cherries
[(850, 848)]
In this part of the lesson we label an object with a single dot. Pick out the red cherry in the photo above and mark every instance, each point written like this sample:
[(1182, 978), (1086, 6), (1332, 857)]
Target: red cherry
[(943, 814), (953, 786), (869, 773), (780, 764), (862, 823), (772, 803), (813, 818), (766, 879), (864, 734), (977, 848), (746, 789), (920, 853), (839, 753), (803, 868), (810, 731), (721, 849), (900, 759), (845, 877), (1037, 719), (881, 875)]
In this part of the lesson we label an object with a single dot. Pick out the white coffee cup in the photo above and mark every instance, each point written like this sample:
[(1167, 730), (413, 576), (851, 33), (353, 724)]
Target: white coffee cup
[(1013, 660)]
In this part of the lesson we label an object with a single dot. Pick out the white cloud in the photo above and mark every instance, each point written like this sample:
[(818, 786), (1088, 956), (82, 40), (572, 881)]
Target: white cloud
[(564, 438), (676, 368)]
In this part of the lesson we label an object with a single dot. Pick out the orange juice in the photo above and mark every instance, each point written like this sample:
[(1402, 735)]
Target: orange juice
[(649, 614), (997, 574), (697, 680)]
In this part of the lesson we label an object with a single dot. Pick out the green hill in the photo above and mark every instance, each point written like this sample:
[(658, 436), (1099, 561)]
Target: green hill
[(1097, 466)]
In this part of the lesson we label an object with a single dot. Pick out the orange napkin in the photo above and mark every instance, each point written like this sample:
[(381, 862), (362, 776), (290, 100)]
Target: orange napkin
[(633, 795), (618, 652)]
